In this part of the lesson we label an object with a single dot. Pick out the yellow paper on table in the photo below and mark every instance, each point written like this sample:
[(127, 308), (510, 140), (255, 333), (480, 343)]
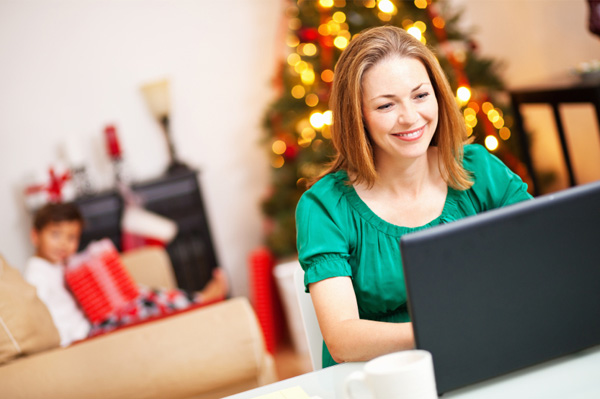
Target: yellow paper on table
[(289, 393)]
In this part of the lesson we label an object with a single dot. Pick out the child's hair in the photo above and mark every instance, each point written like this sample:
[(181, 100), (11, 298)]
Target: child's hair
[(57, 212)]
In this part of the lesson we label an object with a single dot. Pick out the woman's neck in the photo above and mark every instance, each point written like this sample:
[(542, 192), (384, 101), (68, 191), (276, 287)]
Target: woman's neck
[(408, 177), (408, 194)]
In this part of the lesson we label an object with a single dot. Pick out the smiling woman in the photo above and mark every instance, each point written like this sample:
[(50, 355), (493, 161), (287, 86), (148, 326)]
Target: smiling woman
[(402, 165), (400, 109)]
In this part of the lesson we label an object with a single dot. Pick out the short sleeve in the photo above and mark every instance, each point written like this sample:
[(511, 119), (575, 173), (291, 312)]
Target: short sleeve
[(495, 185), (322, 238)]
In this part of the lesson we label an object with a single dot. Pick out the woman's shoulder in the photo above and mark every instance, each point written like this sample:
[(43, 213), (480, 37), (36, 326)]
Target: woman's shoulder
[(478, 160), (328, 191), (474, 153), (494, 184)]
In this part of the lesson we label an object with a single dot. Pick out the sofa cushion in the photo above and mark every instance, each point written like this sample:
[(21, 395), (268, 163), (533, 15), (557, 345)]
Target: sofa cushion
[(26, 326)]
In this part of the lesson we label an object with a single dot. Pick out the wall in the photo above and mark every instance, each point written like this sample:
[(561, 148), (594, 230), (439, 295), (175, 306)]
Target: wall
[(68, 68)]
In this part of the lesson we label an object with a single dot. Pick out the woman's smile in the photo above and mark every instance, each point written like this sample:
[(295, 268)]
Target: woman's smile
[(410, 135)]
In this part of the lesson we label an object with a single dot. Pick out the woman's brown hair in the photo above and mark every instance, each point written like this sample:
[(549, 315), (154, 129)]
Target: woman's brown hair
[(350, 139)]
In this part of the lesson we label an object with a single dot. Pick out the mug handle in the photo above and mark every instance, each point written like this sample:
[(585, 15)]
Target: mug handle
[(356, 377)]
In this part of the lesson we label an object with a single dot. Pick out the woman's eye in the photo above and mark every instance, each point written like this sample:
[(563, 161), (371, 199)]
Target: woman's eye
[(384, 106), (421, 96)]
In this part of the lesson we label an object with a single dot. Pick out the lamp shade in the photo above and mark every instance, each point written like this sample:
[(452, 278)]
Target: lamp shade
[(156, 95)]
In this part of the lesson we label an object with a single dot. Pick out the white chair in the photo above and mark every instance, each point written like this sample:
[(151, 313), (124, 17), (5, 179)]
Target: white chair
[(309, 320)]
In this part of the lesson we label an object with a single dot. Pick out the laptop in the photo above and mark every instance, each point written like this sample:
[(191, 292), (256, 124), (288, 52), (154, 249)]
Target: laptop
[(508, 288)]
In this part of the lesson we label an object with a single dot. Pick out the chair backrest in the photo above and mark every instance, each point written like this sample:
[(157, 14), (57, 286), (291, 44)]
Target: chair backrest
[(309, 320)]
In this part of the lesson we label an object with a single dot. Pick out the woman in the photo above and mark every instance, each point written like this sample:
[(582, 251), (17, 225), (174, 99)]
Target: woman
[(401, 166)]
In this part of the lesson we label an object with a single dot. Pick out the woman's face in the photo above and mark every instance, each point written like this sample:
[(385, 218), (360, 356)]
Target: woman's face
[(399, 108)]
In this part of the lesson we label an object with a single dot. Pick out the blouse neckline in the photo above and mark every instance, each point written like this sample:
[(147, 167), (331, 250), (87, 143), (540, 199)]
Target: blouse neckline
[(389, 228)]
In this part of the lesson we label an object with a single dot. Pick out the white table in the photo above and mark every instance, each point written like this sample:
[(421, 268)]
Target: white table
[(575, 376)]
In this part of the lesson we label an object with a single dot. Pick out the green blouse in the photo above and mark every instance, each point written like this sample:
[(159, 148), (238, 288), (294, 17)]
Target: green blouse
[(338, 235)]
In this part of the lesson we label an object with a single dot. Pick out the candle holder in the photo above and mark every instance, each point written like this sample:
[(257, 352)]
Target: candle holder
[(115, 154)]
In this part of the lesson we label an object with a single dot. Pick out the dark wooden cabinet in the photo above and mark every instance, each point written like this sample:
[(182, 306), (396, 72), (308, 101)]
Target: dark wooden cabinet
[(176, 196)]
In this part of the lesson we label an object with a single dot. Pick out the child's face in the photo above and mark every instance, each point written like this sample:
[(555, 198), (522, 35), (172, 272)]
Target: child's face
[(57, 241)]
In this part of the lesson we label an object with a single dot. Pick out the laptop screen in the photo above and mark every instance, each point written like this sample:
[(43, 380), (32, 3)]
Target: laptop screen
[(507, 288)]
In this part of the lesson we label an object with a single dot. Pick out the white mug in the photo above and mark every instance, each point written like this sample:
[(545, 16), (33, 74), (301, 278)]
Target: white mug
[(400, 375)]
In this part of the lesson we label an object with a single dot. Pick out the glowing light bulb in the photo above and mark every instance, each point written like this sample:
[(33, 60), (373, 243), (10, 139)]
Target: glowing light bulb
[(339, 17), (487, 107), (421, 26), (471, 122), (295, 23), (292, 41), (302, 142), (308, 133), (278, 162), (309, 49), (439, 22), (333, 27), (324, 30), (308, 76), (345, 33), (302, 124), (491, 143), (370, 3), (499, 123), (316, 120), (328, 117), (493, 116), (293, 59), (301, 66), (504, 133), (384, 16), (340, 42), (279, 147), (327, 76), (414, 31), (312, 100), (469, 111), (298, 91), (326, 3), (474, 105), (422, 4), (386, 6), (463, 93)]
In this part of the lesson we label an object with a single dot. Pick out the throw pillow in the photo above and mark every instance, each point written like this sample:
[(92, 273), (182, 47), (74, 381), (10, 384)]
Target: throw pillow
[(26, 326)]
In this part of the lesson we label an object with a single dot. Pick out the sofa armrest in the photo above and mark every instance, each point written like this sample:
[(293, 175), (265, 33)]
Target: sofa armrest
[(150, 266), (190, 354)]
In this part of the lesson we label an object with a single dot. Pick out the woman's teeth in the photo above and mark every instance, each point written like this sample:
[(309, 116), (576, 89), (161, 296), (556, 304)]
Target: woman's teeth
[(409, 135)]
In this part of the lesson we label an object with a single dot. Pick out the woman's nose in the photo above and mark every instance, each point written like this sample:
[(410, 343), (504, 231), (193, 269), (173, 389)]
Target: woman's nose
[(407, 115)]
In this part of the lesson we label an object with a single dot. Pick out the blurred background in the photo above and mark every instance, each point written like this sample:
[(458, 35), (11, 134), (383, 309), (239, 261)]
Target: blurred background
[(71, 68)]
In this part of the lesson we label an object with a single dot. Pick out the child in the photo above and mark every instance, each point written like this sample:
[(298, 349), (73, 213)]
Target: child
[(55, 234)]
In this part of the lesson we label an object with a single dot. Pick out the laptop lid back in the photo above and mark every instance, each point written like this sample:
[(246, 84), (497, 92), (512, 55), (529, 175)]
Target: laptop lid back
[(507, 288)]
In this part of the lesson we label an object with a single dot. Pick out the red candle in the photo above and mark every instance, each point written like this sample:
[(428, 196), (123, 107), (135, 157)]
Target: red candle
[(112, 142)]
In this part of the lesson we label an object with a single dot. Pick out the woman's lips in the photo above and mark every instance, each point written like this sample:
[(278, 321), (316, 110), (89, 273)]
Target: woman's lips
[(410, 135)]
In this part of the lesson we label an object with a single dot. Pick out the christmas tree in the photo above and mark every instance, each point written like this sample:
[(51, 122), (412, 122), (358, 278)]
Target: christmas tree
[(297, 123)]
